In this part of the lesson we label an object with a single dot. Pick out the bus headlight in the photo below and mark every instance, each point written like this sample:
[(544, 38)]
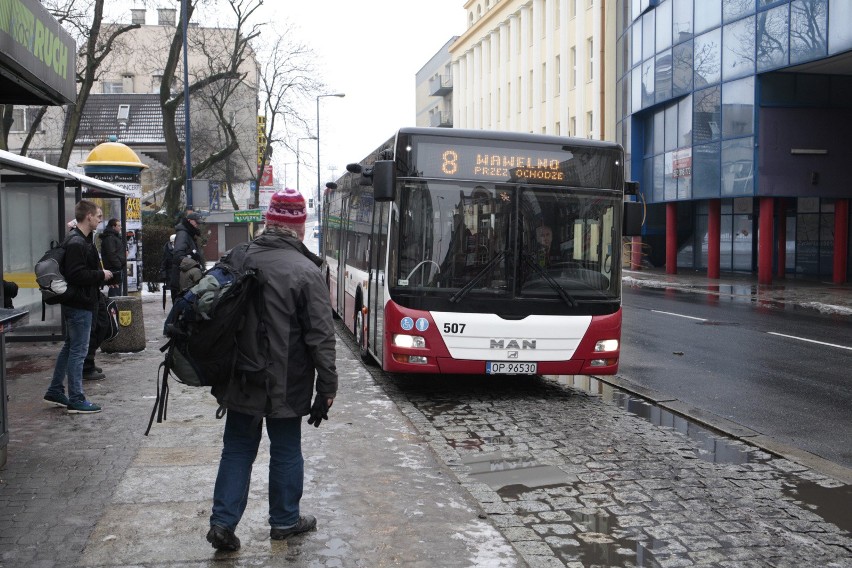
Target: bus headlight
[(606, 345), (409, 341)]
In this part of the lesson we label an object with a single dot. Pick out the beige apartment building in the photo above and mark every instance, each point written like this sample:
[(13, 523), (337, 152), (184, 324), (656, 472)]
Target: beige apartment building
[(539, 66)]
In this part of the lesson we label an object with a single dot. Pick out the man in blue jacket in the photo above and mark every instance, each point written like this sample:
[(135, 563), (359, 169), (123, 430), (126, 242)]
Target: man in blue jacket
[(82, 270)]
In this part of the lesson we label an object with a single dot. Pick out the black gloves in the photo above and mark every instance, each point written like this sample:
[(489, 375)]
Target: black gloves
[(319, 410)]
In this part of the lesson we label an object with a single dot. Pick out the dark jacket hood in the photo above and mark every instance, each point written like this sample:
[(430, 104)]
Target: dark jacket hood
[(109, 232), (185, 225)]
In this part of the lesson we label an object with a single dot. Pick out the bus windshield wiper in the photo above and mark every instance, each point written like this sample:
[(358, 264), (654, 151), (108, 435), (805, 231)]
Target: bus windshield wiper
[(560, 291), (477, 277)]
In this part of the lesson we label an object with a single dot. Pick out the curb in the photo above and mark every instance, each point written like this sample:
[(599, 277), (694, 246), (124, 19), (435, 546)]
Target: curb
[(734, 430)]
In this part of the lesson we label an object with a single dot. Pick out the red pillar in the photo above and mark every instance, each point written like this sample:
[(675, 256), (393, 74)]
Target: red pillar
[(781, 269), (636, 253), (841, 239), (671, 237), (714, 226), (764, 241)]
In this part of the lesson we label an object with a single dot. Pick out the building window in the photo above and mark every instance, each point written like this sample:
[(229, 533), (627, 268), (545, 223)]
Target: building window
[(573, 78), (518, 94), (557, 14), (590, 123), (543, 82), (530, 91), (19, 119), (572, 9), (113, 87), (557, 79), (530, 31), (558, 128), (590, 70), (572, 126)]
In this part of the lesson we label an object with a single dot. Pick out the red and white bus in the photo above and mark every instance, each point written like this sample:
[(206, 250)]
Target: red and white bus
[(475, 252)]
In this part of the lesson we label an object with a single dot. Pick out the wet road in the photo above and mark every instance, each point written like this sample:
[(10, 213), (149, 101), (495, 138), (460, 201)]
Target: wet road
[(779, 370)]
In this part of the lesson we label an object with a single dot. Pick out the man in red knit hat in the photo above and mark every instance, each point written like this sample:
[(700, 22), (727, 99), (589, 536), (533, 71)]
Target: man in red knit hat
[(289, 342)]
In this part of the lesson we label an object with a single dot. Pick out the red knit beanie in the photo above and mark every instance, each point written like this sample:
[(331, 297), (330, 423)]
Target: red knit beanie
[(287, 207)]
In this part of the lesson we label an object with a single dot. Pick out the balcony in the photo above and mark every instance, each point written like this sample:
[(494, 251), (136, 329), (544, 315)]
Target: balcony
[(444, 119), (440, 85)]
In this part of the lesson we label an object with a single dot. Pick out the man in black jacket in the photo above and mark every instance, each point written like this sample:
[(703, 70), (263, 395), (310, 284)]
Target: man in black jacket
[(186, 245), (82, 270), (114, 254), (289, 341)]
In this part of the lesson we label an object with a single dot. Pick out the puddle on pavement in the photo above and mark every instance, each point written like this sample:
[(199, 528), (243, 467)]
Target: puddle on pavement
[(499, 472), (712, 447), (830, 503)]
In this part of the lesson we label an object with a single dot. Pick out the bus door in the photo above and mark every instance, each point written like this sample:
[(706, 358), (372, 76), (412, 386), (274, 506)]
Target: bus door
[(376, 300)]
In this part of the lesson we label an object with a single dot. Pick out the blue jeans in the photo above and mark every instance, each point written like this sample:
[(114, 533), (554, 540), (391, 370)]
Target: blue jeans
[(69, 362), (286, 469)]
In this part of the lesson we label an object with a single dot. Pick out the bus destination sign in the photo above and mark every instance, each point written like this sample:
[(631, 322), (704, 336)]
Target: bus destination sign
[(493, 163)]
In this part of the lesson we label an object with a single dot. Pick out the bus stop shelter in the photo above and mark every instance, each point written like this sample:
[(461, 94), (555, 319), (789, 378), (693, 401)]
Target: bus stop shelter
[(36, 202)]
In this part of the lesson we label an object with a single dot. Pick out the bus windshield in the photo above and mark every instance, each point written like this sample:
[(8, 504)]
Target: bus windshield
[(467, 241)]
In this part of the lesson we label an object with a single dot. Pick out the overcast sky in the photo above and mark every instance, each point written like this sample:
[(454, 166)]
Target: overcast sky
[(370, 50)]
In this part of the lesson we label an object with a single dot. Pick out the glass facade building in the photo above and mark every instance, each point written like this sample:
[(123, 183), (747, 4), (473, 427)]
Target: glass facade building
[(734, 102)]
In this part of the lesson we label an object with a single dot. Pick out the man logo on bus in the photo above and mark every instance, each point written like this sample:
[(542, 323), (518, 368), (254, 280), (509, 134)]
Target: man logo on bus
[(512, 344)]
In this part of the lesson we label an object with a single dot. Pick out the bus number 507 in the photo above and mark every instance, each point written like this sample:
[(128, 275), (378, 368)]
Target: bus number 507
[(454, 327)]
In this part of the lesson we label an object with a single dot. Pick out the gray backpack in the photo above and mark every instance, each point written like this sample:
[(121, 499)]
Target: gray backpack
[(48, 272)]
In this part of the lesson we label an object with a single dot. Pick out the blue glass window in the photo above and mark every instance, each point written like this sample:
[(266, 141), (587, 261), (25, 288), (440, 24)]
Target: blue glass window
[(671, 128), (773, 48), (738, 167), (681, 20), (708, 15), (682, 75), (738, 56), (684, 122), (808, 33), (705, 171), (706, 116), (636, 88), (648, 35), (664, 26), (733, 9), (839, 30), (659, 178), (663, 76), (738, 108), (707, 58), (648, 83), (659, 132), (636, 46)]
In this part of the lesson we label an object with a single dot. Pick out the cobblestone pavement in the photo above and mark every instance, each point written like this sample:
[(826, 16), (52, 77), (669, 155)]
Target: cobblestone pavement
[(573, 480), (93, 491)]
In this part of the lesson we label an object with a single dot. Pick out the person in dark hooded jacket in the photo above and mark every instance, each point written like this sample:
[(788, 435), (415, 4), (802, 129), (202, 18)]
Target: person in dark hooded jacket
[(285, 343), (186, 246), (114, 254)]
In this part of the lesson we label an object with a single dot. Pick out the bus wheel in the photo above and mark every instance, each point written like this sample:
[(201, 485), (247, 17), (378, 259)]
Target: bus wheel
[(359, 337)]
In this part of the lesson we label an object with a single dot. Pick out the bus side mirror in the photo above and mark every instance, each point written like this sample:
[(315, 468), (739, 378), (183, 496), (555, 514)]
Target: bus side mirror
[(384, 180), (632, 226)]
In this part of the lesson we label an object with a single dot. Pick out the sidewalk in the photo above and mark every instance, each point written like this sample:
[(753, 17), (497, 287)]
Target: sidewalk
[(825, 297), (93, 491)]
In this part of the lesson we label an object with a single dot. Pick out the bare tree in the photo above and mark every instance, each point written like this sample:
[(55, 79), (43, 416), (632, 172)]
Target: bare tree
[(83, 19), (288, 78), (213, 87)]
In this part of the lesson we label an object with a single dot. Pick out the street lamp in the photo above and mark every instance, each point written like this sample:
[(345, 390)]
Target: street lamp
[(298, 160), (319, 181)]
